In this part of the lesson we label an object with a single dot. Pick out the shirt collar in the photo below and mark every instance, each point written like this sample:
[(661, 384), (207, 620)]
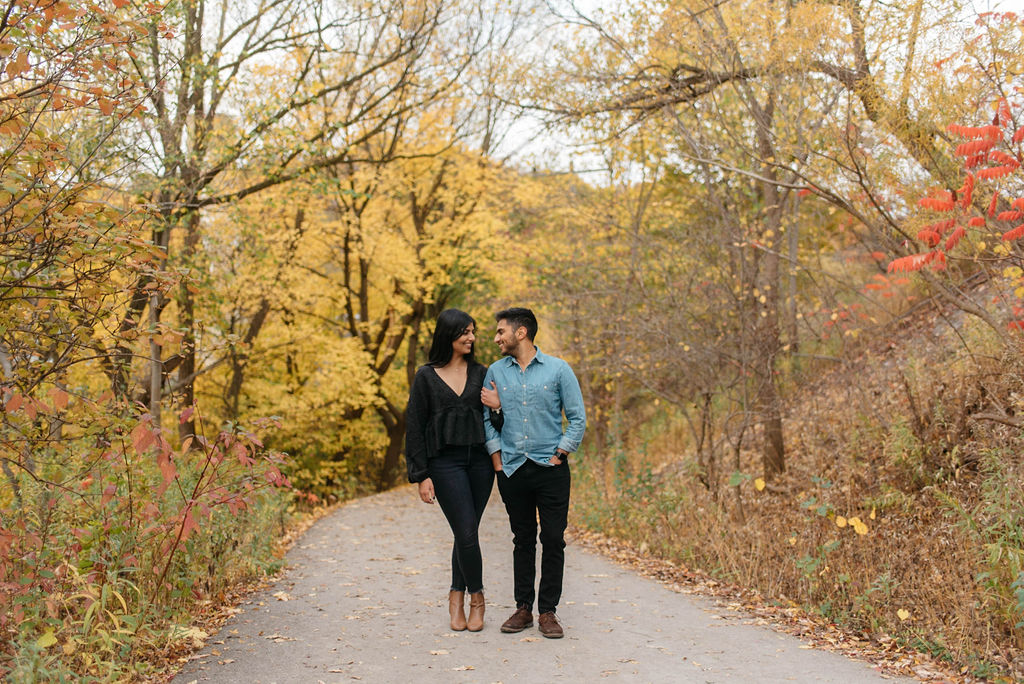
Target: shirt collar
[(541, 357)]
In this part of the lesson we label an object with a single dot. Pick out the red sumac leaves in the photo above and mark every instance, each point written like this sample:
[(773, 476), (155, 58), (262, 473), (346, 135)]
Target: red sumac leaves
[(1014, 234), (996, 171), (954, 239)]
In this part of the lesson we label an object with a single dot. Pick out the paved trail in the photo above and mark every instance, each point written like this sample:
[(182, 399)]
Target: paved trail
[(366, 599)]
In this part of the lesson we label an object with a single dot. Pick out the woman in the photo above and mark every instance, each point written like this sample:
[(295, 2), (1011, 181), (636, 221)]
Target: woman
[(445, 454)]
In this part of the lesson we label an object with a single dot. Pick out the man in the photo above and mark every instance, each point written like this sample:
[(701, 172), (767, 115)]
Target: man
[(531, 458)]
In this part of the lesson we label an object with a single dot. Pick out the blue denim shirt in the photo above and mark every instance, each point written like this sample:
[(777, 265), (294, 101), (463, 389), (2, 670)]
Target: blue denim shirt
[(533, 401)]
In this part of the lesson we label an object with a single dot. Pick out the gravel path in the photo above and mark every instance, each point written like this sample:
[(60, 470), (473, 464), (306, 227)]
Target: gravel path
[(365, 599)]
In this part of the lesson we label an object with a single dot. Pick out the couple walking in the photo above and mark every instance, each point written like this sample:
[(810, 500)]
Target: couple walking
[(467, 424)]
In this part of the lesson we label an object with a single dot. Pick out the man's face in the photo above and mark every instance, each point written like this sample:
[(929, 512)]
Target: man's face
[(507, 339)]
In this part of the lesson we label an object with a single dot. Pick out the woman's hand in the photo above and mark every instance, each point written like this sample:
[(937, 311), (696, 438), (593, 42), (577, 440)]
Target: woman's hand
[(496, 461), (489, 397), (427, 491)]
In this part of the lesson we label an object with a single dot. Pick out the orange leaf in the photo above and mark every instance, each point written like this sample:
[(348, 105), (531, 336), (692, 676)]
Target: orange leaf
[(940, 227), (974, 147), (996, 172), (977, 222), (167, 469), (1010, 215), (1018, 135), (106, 106), (993, 204), (936, 204), (142, 437), (188, 526), (60, 398), (1014, 234), (1004, 117), (914, 262), (955, 237), (14, 403), (929, 237), (974, 160), (18, 65), (1003, 158)]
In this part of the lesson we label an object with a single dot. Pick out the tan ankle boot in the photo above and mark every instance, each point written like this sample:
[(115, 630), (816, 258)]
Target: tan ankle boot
[(476, 612), (457, 609)]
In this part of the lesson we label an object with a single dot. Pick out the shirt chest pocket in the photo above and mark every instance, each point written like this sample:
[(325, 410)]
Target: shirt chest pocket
[(543, 394), (526, 393)]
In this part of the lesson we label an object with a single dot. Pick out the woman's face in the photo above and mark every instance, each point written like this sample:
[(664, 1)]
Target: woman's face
[(463, 344)]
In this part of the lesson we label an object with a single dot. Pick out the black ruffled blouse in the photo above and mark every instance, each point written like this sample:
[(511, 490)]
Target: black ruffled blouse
[(436, 417)]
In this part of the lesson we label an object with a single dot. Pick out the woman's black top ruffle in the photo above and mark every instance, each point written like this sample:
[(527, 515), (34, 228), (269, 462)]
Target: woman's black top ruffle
[(436, 417)]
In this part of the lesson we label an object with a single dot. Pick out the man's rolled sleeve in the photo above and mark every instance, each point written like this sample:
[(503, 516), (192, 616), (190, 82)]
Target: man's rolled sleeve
[(572, 404)]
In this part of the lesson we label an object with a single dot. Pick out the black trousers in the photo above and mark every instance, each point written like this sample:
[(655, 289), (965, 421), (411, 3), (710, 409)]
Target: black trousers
[(537, 492), (463, 478)]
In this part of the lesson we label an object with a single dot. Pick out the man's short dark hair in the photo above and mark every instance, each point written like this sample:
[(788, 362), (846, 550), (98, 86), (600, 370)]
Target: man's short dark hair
[(518, 317)]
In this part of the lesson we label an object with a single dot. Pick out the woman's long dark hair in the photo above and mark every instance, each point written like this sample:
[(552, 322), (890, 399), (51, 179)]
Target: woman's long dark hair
[(450, 326)]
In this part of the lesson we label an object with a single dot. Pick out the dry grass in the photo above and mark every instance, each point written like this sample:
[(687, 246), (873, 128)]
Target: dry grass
[(899, 441)]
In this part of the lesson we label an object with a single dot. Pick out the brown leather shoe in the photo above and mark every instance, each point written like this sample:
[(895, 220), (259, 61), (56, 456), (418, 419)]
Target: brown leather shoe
[(549, 627), (457, 609), (476, 612), (518, 621)]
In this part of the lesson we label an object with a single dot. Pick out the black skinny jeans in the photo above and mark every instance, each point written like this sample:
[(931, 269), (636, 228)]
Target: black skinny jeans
[(537, 492), (463, 478)]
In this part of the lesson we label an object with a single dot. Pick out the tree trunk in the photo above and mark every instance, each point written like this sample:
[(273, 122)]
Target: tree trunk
[(187, 369), (240, 359), (767, 340), (394, 422), (156, 366)]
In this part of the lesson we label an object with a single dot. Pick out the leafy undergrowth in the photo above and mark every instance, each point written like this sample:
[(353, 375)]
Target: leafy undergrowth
[(112, 538), (897, 527), (209, 616)]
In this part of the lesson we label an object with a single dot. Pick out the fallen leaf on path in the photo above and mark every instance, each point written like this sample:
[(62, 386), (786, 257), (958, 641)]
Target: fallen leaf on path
[(440, 652), (278, 638), (463, 668), (282, 596)]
